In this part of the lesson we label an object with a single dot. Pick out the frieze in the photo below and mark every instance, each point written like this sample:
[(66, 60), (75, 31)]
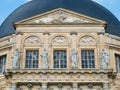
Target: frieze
[(56, 77)]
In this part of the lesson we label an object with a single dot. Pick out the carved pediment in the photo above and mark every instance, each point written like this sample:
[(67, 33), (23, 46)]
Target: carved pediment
[(60, 16)]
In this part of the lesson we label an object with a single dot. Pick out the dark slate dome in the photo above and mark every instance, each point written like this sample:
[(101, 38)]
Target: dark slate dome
[(86, 7)]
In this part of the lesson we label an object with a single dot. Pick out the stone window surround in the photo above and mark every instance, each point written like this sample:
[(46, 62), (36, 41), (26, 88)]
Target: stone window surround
[(88, 54), (33, 59), (58, 61)]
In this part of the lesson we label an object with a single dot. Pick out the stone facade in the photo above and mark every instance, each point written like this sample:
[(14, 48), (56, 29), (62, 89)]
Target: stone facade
[(61, 33)]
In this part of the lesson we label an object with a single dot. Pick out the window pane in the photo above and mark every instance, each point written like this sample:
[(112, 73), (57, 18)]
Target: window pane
[(87, 59), (2, 63), (117, 58), (32, 57), (60, 59)]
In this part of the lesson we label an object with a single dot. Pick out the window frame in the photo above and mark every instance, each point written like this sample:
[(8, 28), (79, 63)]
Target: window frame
[(38, 49), (95, 57), (52, 57), (5, 56), (116, 63)]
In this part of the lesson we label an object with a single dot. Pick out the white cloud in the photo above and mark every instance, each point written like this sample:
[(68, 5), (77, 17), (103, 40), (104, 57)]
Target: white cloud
[(27, 0), (104, 1)]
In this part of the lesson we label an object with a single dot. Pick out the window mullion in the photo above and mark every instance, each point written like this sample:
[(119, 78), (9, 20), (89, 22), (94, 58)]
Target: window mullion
[(59, 59), (87, 59)]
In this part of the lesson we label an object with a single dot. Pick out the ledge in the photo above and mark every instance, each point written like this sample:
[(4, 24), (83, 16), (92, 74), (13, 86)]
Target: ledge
[(59, 71)]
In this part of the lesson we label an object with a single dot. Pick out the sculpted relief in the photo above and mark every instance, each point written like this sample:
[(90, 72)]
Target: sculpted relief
[(60, 17), (32, 40), (60, 40), (87, 40)]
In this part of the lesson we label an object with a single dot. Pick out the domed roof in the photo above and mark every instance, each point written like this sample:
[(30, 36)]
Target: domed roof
[(86, 7)]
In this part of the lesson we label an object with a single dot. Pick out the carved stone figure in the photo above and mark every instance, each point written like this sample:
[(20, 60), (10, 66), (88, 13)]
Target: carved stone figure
[(60, 17), (15, 59), (45, 59), (104, 59), (74, 59)]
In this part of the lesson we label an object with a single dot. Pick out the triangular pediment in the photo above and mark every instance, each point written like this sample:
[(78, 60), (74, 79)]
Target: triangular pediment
[(60, 16)]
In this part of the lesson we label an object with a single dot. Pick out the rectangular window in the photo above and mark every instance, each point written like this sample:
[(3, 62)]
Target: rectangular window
[(87, 59), (32, 57), (117, 59), (2, 63), (60, 60)]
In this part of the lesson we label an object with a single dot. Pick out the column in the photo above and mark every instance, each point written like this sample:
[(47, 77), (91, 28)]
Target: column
[(44, 86), (106, 86), (14, 86), (75, 86)]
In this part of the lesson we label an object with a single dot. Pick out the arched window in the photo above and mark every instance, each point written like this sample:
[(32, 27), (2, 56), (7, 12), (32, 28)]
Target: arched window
[(87, 54), (59, 53)]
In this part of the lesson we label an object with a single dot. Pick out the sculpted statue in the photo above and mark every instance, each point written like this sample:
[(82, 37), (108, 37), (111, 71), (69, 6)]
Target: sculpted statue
[(15, 59), (104, 59), (45, 59), (74, 59)]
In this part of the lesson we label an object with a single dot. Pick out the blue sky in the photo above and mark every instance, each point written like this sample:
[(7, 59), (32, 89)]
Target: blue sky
[(7, 6)]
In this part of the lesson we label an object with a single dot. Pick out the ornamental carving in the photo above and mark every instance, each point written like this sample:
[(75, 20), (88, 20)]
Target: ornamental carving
[(87, 40), (32, 40), (60, 17), (59, 40)]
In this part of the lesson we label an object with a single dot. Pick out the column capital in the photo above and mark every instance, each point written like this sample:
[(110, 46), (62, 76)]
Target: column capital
[(73, 33), (46, 33), (100, 33)]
